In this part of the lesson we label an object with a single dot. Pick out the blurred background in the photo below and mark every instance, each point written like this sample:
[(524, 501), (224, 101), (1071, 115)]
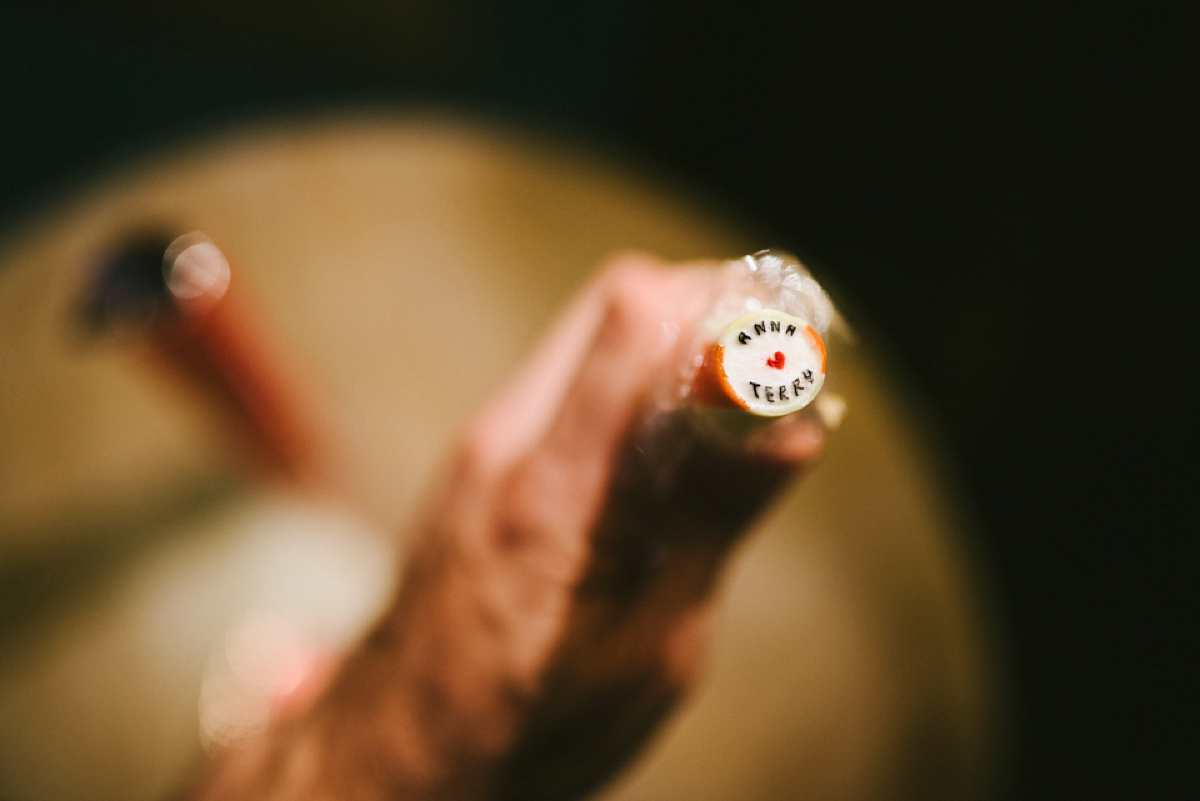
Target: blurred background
[(998, 196)]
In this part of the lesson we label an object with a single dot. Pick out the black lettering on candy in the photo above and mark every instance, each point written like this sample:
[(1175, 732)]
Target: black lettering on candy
[(756, 386), (797, 388), (808, 376), (782, 393), (760, 329), (770, 394), (774, 325), (743, 337), (791, 329)]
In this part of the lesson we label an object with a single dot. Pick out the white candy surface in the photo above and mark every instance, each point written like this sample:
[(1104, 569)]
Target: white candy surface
[(771, 362)]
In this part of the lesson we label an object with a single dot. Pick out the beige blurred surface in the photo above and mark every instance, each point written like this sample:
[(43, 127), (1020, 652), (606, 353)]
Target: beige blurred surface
[(409, 262)]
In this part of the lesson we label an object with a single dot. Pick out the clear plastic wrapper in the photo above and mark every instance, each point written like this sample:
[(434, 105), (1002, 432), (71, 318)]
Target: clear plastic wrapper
[(772, 317), (700, 464)]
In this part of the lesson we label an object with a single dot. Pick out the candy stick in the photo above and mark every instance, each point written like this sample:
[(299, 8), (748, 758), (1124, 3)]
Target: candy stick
[(738, 405), (766, 362), (761, 343)]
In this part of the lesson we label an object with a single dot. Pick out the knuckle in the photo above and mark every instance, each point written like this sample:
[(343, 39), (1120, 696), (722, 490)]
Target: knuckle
[(637, 302), (475, 454), (526, 495), (536, 523)]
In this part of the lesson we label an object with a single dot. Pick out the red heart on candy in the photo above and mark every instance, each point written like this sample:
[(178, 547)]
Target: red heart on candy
[(776, 361)]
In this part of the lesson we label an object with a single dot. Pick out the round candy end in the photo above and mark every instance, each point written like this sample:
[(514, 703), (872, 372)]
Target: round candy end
[(769, 363)]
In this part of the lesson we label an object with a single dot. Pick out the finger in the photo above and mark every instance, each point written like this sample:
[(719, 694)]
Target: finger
[(566, 475), (518, 416)]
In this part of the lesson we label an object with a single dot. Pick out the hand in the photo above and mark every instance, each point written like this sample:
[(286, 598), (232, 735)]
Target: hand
[(557, 596)]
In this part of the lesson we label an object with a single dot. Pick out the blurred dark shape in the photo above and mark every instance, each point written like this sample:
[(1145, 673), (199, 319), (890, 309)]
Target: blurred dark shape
[(128, 285)]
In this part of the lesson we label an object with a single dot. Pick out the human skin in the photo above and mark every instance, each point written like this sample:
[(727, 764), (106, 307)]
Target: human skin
[(556, 599)]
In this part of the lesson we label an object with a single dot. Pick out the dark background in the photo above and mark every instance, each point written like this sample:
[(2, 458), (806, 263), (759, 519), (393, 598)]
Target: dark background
[(1000, 194)]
